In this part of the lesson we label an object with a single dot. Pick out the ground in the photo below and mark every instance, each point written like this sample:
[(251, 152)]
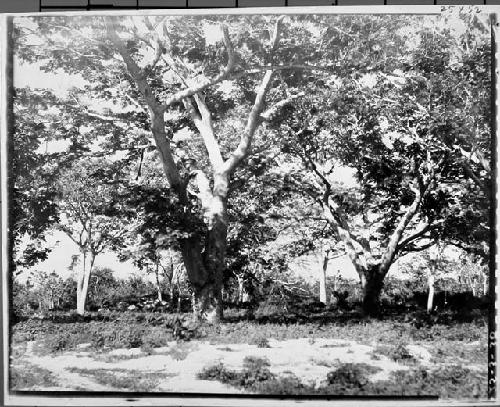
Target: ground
[(350, 357)]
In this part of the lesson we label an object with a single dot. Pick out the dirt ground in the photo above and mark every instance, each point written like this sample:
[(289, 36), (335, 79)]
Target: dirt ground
[(174, 368)]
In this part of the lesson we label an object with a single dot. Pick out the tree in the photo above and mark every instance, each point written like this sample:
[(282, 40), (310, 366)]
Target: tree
[(391, 131), (101, 284), (86, 206), (179, 72), (224, 82)]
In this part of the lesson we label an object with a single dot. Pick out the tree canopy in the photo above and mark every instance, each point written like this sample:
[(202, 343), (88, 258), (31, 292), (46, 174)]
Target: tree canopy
[(220, 129)]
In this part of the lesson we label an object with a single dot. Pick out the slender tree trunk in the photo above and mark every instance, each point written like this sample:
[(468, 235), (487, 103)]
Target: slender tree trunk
[(158, 286), (172, 293), (83, 282), (473, 287), (430, 296), (239, 298), (323, 294), (485, 285)]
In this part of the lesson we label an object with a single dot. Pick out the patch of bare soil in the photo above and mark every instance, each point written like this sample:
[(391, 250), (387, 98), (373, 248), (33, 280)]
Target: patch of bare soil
[(175, 367)]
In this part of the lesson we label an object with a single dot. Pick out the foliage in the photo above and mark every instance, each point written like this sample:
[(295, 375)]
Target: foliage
[(397, 352), (255, 371), (27, 376), (163, 100), (33, 208), (87, 203)]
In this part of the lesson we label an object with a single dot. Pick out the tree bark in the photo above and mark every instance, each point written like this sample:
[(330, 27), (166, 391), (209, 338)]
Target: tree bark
[(372, 282), (430, 296), (158, 285), (323, 294), (239, 296), (205, 267), (83, 282)]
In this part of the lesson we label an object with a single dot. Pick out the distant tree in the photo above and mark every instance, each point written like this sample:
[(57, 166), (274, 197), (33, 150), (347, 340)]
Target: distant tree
[(102, 282), (86, 216)]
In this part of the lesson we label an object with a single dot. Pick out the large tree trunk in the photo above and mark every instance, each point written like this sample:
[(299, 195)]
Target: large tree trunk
[(205, 268), (372, 282), (82, 285)]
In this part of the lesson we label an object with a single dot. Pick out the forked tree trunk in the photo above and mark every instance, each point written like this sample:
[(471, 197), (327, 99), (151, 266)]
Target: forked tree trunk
[(82, 285)]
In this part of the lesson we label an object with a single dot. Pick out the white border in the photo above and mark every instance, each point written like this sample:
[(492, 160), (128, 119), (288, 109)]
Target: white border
[(377, 9), (10, 400), (3, 201)]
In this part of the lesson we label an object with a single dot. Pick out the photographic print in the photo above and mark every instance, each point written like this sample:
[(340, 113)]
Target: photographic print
[(249, 204)]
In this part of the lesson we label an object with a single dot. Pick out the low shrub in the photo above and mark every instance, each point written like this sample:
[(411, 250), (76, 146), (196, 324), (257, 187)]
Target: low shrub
[(398, 353), (27, 376), (259, 341), (255, 370), (348, 375), (217, 372)]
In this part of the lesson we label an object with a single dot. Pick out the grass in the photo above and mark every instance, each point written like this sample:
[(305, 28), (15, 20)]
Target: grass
[(130, 380), (114, 358), (364, 332), (27, 376), (115, 330), (446, 352)]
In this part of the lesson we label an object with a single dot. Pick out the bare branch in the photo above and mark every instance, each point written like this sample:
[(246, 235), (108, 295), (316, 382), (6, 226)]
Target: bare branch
[(255, 69), (274, 110), (253, 121), (413, 249), (412, 210), (414, 236), (203, 121)]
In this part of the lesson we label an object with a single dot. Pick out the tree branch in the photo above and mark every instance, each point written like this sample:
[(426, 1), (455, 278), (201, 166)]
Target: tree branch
[(224, 74), (271, 113), (206, 128), (416, 235), (253, 121), (156, 113), (412, 210)]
